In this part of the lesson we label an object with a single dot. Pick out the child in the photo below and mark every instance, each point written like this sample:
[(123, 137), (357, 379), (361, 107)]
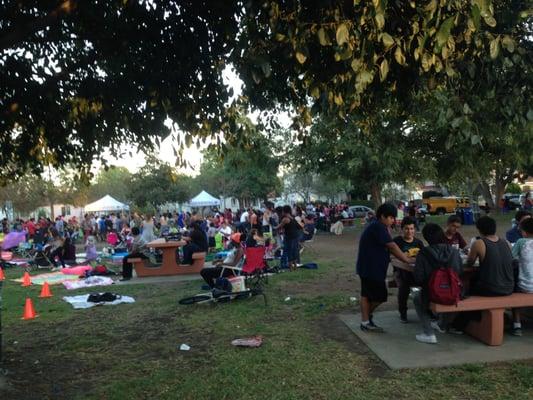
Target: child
[(438, 253), (523, 251), (452, 235), (373, 262), (90, 249), (409, 245)]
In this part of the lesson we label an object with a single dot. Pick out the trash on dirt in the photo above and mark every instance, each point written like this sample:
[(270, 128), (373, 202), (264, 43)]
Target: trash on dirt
[(353, 298), (254, 341), (185, 347)]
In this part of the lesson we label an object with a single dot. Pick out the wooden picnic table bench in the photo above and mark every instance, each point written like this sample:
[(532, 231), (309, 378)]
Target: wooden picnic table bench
[(348, 221), (169, 265), (144, 268), (489, 329)]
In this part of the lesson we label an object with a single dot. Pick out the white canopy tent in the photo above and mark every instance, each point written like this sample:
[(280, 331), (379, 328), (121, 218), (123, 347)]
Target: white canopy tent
[(106, 203), (204, 199)]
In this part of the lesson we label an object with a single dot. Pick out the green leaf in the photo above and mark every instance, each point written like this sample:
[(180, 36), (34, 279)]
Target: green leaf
[(383, 70), (444, 31), (476, 16), (323, 37), (342, 34), (398, 55), (301, 57), (380, 21), (495, 48), (490, 21), (266, 68), (387, 40), (508, 43)]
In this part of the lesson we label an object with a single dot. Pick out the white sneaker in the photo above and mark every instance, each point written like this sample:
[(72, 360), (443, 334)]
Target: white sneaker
[(435, 325), (422, 337)]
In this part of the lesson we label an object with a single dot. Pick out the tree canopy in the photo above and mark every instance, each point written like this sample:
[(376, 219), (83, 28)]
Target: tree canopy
[(78, 77)]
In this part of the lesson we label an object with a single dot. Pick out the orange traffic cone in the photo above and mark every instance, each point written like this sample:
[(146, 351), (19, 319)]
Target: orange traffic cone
[(2, 276), (29, 311), (26, 280), (45, 291)]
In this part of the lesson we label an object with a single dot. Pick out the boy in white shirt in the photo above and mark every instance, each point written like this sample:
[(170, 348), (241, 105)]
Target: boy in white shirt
[(523, 252)]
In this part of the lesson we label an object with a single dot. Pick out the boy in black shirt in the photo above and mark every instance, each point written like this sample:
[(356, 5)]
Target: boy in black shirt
[(404, 279)]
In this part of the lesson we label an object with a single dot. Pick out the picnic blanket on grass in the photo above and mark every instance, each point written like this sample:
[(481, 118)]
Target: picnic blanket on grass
[(88, 282), (81, 301), (53, 278)]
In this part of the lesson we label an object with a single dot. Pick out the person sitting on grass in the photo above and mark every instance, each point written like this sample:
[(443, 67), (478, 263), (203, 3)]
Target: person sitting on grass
[(375, 247), (138, 250), (409, 245), (452, 235), (515, 233), (211, 274), (90, 249), (523, 252), (437, 254)]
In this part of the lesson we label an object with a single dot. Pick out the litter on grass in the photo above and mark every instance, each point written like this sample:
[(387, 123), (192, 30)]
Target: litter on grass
[(254, 341), (185, 347)]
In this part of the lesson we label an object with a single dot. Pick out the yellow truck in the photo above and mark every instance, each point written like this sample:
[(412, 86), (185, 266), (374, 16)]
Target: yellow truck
[(445, 205)]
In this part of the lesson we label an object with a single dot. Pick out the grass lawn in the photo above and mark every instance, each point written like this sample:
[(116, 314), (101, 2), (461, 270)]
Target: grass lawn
[(130, 351)]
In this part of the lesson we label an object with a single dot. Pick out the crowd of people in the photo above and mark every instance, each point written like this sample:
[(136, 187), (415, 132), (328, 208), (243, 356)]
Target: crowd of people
[(505, 266)]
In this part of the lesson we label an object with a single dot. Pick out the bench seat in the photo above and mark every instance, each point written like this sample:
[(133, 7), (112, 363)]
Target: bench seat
[(489, 329), (143, 268)]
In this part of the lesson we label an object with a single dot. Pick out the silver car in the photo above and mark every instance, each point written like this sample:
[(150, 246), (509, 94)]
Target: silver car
[(359, 211)]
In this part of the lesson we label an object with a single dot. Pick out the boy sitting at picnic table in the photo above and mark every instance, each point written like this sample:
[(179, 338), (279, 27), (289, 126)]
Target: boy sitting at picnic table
[(437, 254), (495, 276), (375, 247), (523, 252), (196, 242), (452, 235), (138, 250), (409, 245), (211, 274), (515, 233)]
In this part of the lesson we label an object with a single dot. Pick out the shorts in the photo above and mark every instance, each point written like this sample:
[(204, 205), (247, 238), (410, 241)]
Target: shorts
[(374, 291)]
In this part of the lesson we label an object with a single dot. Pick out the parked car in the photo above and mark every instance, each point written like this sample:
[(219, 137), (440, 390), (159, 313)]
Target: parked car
[(359, 211)]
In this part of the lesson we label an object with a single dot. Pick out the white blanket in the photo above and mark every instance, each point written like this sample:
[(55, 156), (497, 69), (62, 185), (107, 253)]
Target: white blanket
[(88, 282), (81, 301)]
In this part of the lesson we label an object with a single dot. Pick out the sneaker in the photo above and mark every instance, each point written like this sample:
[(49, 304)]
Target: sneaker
[(403, 318), (430, 339), (435, 325), (516, 332), (454, 331), (371, 327), (124, 279)]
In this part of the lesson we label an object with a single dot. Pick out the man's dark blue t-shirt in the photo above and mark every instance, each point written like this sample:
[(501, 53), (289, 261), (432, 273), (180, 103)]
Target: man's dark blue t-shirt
[(373, 258)]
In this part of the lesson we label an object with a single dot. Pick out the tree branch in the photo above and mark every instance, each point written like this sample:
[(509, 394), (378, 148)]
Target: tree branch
[(19, 33)]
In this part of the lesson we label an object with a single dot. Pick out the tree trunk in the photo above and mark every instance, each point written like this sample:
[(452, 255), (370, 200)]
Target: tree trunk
[(486, 193), (52, 216), (375, 192)]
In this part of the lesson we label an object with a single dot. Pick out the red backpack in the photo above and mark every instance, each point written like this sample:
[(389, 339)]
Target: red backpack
[(444, 286)]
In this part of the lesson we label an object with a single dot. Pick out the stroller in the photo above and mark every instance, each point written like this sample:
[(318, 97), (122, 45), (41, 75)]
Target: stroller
[(38, 259)]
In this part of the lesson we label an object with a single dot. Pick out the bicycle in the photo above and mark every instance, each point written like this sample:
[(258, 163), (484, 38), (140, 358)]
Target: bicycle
[(221, 296)]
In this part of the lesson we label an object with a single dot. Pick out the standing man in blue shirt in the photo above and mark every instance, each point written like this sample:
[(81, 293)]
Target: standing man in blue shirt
[(375, 247)]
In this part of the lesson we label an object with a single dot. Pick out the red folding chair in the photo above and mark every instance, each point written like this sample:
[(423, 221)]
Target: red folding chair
[(255, 265)]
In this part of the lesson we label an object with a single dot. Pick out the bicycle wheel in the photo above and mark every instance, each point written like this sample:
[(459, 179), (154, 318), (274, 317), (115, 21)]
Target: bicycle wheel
[(199, 298)]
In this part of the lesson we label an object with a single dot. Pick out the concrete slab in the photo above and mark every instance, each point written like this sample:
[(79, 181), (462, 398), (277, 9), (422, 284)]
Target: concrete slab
[(398, 349)]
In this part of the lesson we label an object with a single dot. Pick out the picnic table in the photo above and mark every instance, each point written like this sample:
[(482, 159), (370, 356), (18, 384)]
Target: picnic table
[(489, 329), (169, 266)]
